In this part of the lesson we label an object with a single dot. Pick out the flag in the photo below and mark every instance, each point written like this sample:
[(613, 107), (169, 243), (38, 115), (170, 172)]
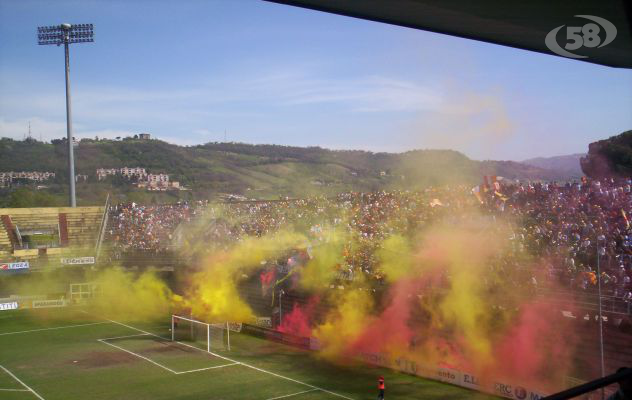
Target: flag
[(476, 191), (501, 196), (435, 202)]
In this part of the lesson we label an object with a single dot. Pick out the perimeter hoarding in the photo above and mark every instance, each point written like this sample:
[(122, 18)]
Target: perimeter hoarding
[(15, 267), (78, 261)]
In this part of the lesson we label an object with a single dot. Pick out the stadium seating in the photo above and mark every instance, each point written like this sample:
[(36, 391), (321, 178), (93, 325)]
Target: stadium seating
[(71, 227)]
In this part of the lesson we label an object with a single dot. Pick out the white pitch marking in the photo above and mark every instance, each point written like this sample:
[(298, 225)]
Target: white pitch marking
[(123, 337), (138, 355), (22, 383), (293, 394), (54, 328), (204, 369), (14, 390), (238, 362)]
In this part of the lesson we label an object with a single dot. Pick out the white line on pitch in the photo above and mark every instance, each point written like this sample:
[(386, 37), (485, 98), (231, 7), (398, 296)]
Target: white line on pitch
[(123, 337), (14, 390), (204, 369), (54, 328), (293, 394), (138, 355), (244, 364), (22, 383)]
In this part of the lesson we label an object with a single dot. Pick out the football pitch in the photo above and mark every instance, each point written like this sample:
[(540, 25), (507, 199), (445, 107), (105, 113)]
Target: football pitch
[(69, 354)]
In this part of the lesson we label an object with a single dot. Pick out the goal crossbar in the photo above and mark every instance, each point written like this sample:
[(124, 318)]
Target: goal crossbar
[(221, 326)]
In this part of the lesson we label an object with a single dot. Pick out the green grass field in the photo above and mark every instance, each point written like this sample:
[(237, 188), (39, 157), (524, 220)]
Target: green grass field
[(69, 354)]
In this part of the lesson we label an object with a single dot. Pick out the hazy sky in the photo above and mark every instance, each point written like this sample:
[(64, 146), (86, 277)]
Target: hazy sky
[(186, 71)]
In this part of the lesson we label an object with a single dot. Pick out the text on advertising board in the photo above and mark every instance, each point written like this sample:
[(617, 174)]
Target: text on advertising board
[(78, 261), (14, 266), (9, 306)]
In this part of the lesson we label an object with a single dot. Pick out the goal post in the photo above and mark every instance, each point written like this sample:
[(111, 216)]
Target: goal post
[(200, 334)]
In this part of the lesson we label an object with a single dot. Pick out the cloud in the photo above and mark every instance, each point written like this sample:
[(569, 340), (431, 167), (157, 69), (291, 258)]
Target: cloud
[(357, 94)]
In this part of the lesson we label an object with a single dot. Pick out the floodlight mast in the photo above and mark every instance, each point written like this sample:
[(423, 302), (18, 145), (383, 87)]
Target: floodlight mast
[(66, 34)]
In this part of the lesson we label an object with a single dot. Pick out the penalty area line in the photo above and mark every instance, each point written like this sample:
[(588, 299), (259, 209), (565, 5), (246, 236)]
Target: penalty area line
[(22, 383), (207, 368), (292, 394), (138, 355), (235, 361)]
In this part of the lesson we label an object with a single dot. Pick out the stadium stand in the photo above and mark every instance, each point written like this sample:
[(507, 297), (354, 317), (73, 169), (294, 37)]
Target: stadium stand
[(36, 234)]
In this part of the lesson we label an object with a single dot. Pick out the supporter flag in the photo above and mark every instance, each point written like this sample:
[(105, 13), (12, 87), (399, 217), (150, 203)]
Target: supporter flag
[(501, 196), (625, 218), (476, 191), (435, 202)]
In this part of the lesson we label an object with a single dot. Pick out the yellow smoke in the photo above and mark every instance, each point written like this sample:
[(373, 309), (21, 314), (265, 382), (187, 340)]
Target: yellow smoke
[(212, 294), (345, 323), (124, 296)]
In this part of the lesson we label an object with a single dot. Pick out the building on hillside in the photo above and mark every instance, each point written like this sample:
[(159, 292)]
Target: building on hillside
[(126, 172), (6, 178), (137, 172), (103, 173), (144, 136), (159, 182)]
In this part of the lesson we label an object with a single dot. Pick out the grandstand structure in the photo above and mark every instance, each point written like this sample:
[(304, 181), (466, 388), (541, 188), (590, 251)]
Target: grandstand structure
[(51, 236)]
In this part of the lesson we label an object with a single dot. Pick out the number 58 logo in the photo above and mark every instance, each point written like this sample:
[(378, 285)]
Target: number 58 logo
[(582, 36)]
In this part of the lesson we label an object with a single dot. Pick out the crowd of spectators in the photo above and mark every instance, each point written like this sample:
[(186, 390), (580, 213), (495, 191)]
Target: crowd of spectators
[(571, 228), (147, 228)]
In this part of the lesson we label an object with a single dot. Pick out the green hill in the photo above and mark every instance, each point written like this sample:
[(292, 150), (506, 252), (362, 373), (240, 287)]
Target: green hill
[(255, 171), (610, 157)]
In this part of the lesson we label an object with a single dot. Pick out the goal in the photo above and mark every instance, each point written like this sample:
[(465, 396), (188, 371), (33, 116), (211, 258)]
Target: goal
[(211, 337)]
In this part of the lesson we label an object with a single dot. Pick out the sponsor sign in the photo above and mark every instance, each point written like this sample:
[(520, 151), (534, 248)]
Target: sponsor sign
[(235, 326), (9, 306), (265, 322), (470, 381), (14, 266), (449, 375), (49, 303), (78, 261)]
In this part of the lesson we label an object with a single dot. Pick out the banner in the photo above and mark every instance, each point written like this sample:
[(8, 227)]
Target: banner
[(265, 322), (9, 306), (49, 303), (78, 261), (14, 266), (451, 375)]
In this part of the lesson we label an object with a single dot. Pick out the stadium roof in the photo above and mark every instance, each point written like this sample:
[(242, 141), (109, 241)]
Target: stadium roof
[(519, 24)]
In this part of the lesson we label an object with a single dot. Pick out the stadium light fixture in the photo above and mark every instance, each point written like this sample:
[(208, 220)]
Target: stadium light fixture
[(66, 34)]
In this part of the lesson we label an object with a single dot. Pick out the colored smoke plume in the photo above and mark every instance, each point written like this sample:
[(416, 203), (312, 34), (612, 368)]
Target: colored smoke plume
[(212, 293), (440, 308), (124, 296), (297, 321)]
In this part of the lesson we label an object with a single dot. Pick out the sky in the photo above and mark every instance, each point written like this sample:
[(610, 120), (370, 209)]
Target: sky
[(194, 71)]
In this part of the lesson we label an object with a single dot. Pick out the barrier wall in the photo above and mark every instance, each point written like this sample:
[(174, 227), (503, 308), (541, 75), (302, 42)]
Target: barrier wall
[(465, 379)]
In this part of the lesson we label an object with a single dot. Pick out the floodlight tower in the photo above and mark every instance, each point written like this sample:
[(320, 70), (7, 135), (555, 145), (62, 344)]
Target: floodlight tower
[(66, 34)]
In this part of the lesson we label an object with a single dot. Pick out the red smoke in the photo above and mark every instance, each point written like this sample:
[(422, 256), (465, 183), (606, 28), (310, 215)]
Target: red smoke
[(391, 330), (537, 347), (297, 321)]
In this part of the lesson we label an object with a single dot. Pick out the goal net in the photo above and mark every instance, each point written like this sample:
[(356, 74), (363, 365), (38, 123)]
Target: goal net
[(211, 337)]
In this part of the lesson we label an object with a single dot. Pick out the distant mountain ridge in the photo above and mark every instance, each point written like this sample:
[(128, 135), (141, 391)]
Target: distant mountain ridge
[(568, 165), (262, 171)]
